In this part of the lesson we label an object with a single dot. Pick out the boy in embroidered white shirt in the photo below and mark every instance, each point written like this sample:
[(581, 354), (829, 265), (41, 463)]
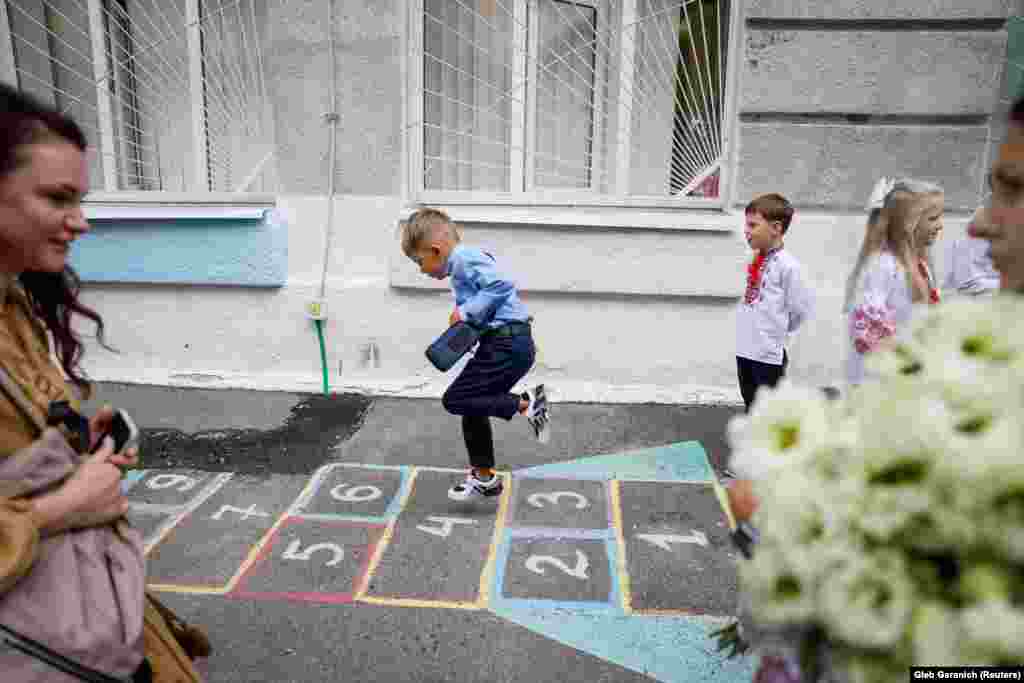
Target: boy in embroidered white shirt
[(777, 299)]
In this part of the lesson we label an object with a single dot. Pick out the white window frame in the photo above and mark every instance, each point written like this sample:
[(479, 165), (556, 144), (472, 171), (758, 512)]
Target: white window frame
[(464, 201), (108, 191)]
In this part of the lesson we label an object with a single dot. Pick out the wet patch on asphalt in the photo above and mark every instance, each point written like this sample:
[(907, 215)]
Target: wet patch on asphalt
[(304, 442)]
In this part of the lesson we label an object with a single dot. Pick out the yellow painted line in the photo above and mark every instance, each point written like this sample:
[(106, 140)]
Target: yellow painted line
[(491, 565), (191, 590), (620, 538), (254, 553), (382, 544), (723, 500), (412, 602), (205, 493)]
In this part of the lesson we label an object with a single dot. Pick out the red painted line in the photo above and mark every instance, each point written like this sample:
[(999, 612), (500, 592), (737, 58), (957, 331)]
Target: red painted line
[(298, 521)]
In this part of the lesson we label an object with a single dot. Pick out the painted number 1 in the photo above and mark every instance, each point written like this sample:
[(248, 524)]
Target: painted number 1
[(536, 565)]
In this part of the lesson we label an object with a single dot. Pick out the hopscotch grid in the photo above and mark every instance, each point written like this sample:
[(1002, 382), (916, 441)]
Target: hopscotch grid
[(607, 606), (257, 550), (560, 532), (499, 550), (504, 503), (307, 596), (621, 570), (154, 508), (164, 530), (384, 541)]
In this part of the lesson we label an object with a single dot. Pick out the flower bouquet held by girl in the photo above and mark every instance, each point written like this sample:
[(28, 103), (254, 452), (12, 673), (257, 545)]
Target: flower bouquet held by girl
[(891, 521)]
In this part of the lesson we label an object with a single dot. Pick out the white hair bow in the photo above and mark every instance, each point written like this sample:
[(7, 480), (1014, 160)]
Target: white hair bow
[(882, 189)]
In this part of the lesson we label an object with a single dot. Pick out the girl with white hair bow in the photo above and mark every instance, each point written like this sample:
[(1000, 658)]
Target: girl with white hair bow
[(892, 273)]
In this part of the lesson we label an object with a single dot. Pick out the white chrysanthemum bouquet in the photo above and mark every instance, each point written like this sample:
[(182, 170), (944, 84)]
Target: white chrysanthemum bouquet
[(892, 520)]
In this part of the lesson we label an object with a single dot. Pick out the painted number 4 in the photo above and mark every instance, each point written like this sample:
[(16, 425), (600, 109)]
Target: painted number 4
[(536, 565), (293, 552)]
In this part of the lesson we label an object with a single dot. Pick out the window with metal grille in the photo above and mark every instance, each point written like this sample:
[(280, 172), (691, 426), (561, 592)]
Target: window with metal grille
[(609, 101), (170, 92)]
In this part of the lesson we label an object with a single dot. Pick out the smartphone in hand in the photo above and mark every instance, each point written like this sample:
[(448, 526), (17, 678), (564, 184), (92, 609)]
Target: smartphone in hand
[(122, 430)]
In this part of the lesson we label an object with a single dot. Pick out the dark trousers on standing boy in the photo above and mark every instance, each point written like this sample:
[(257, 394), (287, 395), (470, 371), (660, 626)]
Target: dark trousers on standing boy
[(754, 374), (483, 388)]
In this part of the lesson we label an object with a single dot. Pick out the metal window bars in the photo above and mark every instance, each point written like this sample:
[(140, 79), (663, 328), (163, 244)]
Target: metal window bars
[(571, 98), (170, 92)]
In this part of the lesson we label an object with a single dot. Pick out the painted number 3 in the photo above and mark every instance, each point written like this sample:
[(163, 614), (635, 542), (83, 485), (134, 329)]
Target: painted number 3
[(536, 565), (537, 500)]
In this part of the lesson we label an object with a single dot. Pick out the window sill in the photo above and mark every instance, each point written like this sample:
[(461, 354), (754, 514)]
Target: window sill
[(612, 217), (173, 205)]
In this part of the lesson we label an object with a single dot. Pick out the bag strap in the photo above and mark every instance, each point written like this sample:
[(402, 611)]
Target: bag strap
[(32, 648)]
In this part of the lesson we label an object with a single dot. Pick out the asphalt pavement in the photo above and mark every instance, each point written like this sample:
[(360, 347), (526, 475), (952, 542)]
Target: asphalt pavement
[(312, 537)]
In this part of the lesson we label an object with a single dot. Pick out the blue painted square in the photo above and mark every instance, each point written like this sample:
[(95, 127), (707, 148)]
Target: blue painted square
[(230, 250)]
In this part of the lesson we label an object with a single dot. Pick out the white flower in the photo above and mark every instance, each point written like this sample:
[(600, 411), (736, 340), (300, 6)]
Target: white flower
[(785, 425), (994, 633), (936, 635), (780, 584), (903, 430), (868, 602)]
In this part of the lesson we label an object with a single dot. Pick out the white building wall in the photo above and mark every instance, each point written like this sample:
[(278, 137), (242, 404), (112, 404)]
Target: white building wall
[(622, 313)]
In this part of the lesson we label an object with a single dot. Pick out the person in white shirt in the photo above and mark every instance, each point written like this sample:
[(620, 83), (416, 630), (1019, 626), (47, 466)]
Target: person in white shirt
[(777, 299), (970, 270), (892, 272)]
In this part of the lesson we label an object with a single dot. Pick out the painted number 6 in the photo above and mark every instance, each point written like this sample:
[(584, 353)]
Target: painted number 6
[(535, 562), (355, 494)]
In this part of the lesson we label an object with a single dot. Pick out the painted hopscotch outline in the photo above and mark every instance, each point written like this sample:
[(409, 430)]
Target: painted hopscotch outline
[(381, 529)]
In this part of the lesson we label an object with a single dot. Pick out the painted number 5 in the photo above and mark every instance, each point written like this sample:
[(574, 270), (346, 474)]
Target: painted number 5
[(292, 552), (535, 564)]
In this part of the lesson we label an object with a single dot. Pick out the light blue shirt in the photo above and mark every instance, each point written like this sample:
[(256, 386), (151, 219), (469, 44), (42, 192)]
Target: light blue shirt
[(485, 296)]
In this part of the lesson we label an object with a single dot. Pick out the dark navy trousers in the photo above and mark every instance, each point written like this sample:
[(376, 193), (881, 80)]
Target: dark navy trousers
[(482, 391)]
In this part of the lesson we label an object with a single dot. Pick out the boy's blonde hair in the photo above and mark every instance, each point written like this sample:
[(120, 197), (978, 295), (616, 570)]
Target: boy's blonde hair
[(893, 227), (425, 225)]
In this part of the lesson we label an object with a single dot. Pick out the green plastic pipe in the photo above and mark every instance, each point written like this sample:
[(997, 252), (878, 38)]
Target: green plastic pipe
[(323, 354)]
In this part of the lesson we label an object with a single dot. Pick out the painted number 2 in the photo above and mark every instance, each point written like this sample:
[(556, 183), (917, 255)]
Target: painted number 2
[(536, 565), (292, 552)]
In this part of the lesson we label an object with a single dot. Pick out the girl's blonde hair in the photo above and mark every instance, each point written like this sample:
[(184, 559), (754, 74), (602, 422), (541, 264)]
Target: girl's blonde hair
[(423, 226), (892, 228)]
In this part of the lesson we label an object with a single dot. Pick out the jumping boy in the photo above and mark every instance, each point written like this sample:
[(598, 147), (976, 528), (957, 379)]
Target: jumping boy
[(489, 301), (777, 300)]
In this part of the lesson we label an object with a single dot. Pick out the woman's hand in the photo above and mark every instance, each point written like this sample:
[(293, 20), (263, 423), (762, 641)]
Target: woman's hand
[(742, 499), (455, 317), (99, 425), (91, 497)]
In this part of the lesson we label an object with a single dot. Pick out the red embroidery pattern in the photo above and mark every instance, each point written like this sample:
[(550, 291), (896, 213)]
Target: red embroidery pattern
[(933, 293), (754, 272)]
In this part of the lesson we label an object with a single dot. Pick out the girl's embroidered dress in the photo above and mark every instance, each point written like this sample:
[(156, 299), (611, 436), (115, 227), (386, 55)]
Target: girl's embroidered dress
[(882, 305)]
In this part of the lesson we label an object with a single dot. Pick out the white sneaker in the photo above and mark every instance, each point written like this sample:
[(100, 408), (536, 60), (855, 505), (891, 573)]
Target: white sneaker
[(537, 413), (473, 487)]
